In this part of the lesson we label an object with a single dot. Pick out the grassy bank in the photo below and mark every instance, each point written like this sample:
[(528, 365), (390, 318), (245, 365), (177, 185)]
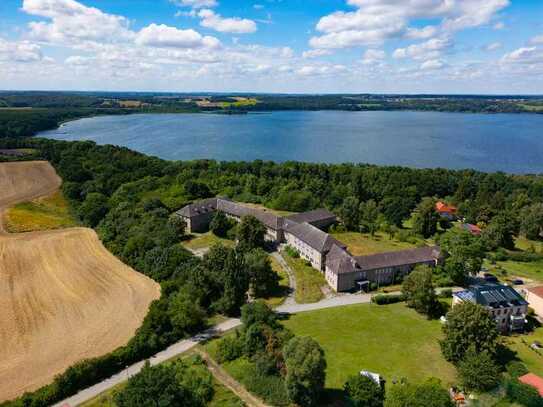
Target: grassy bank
[(308, 281), (45, 213)]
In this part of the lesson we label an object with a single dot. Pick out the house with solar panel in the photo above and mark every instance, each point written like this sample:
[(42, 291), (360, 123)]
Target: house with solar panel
[(504, 303)]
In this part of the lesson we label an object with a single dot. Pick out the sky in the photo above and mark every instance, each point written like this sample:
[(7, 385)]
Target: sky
[(279, 46)]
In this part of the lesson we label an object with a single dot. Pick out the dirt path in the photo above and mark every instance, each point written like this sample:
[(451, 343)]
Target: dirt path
[(225, 379), (63, 296)]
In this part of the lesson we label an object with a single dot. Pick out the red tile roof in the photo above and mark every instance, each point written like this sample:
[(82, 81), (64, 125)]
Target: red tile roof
[(536, 290), (533, 380), (443, 207)]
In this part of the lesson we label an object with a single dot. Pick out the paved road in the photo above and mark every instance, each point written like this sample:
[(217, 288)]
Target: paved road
[(174, 350)]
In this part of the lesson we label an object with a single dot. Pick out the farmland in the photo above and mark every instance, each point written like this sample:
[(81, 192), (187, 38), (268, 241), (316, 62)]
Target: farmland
[(63, 296)]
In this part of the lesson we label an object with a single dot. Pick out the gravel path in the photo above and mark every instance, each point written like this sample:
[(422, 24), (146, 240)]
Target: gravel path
[(174, 350)]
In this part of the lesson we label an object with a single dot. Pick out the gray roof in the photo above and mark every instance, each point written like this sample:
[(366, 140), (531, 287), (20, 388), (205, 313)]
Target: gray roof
[(310, 217), (339, 261), (198, 208), (399, 258), (235, 209), (492, 295), (312, 236)]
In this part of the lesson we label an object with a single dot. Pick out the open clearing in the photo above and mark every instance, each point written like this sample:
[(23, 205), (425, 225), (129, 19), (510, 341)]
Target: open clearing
[(63, 296), (391, 340), (362, 244)]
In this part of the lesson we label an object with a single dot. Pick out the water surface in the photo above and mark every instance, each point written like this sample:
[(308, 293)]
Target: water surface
[(497, 142)]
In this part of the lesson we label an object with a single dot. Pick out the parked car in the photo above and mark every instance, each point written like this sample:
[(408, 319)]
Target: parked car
[(491, 278), (518, 281)]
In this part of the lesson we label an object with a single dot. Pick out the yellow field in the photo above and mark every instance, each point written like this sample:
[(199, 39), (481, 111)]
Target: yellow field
[(45, 213), (63, 296)]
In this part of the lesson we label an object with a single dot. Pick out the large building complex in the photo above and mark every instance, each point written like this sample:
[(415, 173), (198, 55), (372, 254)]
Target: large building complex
[(306, 233)]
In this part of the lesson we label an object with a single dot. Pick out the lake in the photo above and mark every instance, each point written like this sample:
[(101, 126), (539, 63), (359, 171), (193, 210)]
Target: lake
[(488, 142)]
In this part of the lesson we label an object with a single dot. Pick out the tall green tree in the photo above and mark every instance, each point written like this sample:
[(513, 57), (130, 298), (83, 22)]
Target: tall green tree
[(93, 209), (306, 365), (426, 218), (531, 221), (369, 216), (251, 233), (468, 326), (220, 224), (186, 314), (464, 254), (364, 392), (500, 232), (478, 371), (350, 214), (263, 280), (419, 291)]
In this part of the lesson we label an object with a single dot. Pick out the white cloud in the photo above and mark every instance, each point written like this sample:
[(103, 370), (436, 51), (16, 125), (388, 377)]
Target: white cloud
[(195, 3), (72, 22), (493, 46), (165, 36), (230, 25), (430, 49), (432, 64), (375, 21), (373, 56), (500, 25), (537, 40), (524, 55), (320, 70), (315, 53), (19, 51)]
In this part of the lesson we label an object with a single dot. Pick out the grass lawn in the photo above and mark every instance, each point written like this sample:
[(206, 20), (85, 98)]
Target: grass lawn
[(361, 244), (265, 209), (391, 340), (308, 281), (44, 213), (279, 296), (199, 241), (532, 270), (532, 360)]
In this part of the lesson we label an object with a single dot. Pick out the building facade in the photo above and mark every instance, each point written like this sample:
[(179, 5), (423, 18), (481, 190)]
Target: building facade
[(534, 295), (504, 303)]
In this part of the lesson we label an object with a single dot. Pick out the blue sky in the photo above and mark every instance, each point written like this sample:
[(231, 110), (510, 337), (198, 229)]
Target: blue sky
[(311, 46)]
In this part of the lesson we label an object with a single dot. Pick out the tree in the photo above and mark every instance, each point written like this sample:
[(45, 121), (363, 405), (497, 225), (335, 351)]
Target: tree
[(235, 284), (364, 392), (251, 233), (258, 312), (350, 214), (185, 313), (369, 216), (468, 326), (427, 394), (464, 254), (478, 371), (426, 218), (531, 221), (305, 363), (419, 290), (263, 280), (500, 232), (197, 190), (154, 386), (93, 208), (396, 209), (177, 224), (523, 394), (220, 224)]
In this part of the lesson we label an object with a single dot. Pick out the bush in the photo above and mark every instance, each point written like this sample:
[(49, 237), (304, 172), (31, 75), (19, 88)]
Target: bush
[(229, 348), (292, 252), (364, 392), (382, 299), (478, 371), (522, 394)]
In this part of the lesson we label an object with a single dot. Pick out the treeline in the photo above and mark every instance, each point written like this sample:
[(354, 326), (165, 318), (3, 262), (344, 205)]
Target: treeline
[(129, 198), (28, 122)]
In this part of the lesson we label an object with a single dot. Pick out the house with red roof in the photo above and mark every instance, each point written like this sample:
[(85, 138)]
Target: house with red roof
[(446, 211), (534, 381), (473, 229)]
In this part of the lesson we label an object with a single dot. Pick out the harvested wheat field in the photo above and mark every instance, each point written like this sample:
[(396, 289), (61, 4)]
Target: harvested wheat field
[(63, 296), (23, 181)]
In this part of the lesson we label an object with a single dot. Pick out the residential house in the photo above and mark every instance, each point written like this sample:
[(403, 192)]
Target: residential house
[(504, 303), (473, 229), (534, 295), (446, 211)]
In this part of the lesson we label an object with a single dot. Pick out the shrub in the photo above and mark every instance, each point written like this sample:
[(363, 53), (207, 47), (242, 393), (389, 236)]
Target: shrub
[(364, 392), (292, 252), (229, 348), (478, 371), (382, 299), (516, 368), (522, 394)]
